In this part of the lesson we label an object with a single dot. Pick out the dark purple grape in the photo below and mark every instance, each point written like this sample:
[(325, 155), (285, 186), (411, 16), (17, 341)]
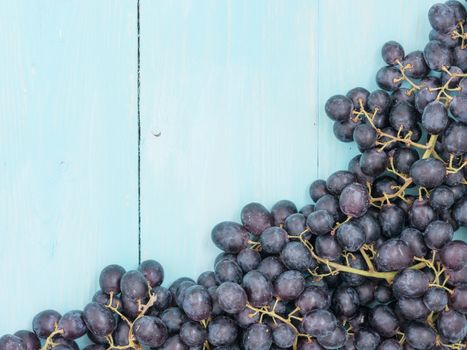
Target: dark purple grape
[(273, 240), (320, 222), (130, 307), (153, 272), (454, 255), (383, 293), (354, 200), (43, 324), (437, 56), (354, 167), (410, 283), (420, 336), (197, 303), (207, 279), (181, 291), (403, 116), (281, 210), (421, 214), (392, 219), (427, 93), (435, 117), (392, 52), (367, 339), (313, 298), (339, 108), (65, 344), (350, 236), (365, 290), (174, 343), (365, 136), (458, 299), (337, 181), (297, 257), (246, 317), (389, 78), (452, 326), (133, 285), (319, 323), (109, 279), (370, 227), (173, 287), (318, 189), (150, 331), (393, 255), (389, 344), (412, 309), (30, 339), (222, 331), (442, 17), (230, 236), (248, 259), (228, 270), (12, 342), (283, 335), (444, 38), (460, 58), (380, 100), (289, 285), (383, 319), (295, 224), (414, 238), (345, 301), (435, 299), (99, 320), (437, 234), (104, 299), (441, 198), (358, 96), (334, 340), (428, 172), (403, 95), (193, 334), (330, 204), (121, 334), (344, 130), (306, 210), (418, 68), (173, 318), (271, 267), (327, 247), (72, 324), (258, 289), (455, 138), (458, 108), (373, 162), (256, 218), (225, 256), (231, 297)]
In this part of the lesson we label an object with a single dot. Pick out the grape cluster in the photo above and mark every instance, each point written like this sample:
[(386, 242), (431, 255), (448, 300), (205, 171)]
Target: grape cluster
[(371, 264)]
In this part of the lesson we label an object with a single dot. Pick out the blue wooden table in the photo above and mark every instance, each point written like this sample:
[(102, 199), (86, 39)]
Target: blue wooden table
[(231, 107)]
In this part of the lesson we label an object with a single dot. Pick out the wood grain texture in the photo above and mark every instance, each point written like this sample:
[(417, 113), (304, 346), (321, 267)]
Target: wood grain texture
[(67, 152), (231, 87)]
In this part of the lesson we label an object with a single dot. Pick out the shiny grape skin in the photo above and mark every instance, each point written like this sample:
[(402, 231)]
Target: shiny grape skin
[(383, 319), (338, 180), (222, 331), (249, 259), (442, 17), (98, 319), (403, 116), (319, 323), (271, 267), (313, 298), (11, 342), (207, 279), (437, 234), (419, 69), (379, 99), (421, 214), (435, 117), (173, 318), (435, 299), (358, 95), (320, 222), (256, 218), (373, 162), (153, 272), (44, 322), (257, 337), (120, 335), (228, 270), (389, 344), (441, 198), (283, 335), (428, 172), (296, 256), (289, 285), (281, 210), (197, 303), (244, 320), (181, 290), (345, 301), (133, 285), (350, 236), (454, 255), (109, 279), (150, 331), (364, 136), (273, 239), (334, 340), (414, 238), (354, 200), (193, 334), (458, 299), (30, 339), (460, 212), (318, 189), (392, 52), (437, 56), (231, 297), (327, 247), (230, 237), (173, 287), (72, 324), (452, 326), (459, 10), (420, 336), (391, 219), (339, 108), (388, 78), (455, 138), (258, 289), (344, 130), (367, 339), (412, 308), (295, 224), (410, 283), (370, 227), (393, 255), (330, 204)]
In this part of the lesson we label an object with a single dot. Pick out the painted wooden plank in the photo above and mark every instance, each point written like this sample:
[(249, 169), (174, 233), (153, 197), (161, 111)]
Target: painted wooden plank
[(351, 34), (68, 151), (231, 86)]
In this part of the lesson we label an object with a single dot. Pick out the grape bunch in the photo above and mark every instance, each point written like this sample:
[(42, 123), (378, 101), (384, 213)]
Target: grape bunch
[(370, 265)]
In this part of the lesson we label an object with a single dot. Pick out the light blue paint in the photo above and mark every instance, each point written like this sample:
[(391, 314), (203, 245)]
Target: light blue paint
[(237, 91)]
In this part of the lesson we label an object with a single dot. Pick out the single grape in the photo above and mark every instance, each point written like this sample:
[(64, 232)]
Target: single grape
[(11, 342), (435, 117), (441, 17), (358, 96), (72, 324), (231, 297), (452, 326), (43, 324), (330, 204), (173, 318), (153, 272), (248, 259), (414, 238), (367, 339), (337, 181), (334, 340), (30, 339), (389, 78), (319, 323), (345, 301), (437, 56), (435, 299), (228, 270), (458, 108), (271, 267), (417, 66), (339, 108), (313, 298), (373, 162), (295, 224), (455, 138), (379, 100), (289, 285), (421, 214), (207, 279), (197, 303), (392, 52), (297, 257), (454, 255), (133, 285), (441, 198), (150, 331), (403, 116), (458, 299), (327, 247), (437, 234), (109, 279), (410, 283), (193, 334), (222, 331), (320, 222), (281, 210), (256, 218), (391, 219), (383, 319), (318, 189), (412, 308), (344, 130), (428, 172), (258, 289), (98, 319), (273, 240), (393, 255), (350, 236), (370, 227), (354, 200)]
